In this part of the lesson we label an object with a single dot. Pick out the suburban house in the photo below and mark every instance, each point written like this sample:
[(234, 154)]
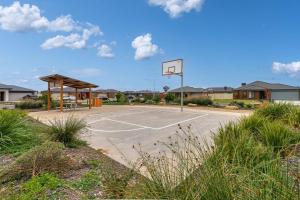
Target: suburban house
[(14, 93), (211, 93), (106, 94), (140, 94), (189, 92), (260, 90), (219, 92)]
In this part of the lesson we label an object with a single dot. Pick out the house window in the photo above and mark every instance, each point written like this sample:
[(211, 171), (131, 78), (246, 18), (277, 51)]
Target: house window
[(251, 95), (2, 96)]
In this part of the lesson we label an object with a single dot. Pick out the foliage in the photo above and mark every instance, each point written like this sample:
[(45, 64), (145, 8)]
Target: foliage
[(121, 97), (13, 130), (47, 157), (89, 181), (245, 162), (199, 102), (156, 98), (66, 131), (29, 104), (40, 187), (170, 97)]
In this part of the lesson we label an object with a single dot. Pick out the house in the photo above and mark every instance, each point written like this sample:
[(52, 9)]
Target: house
[(141, 94), (106, 93), (260, 90), (189, 92), (219, 92), (14, 93)]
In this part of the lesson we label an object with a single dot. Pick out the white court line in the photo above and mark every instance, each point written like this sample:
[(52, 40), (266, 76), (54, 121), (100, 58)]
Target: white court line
[(142, 127), (125, 114)]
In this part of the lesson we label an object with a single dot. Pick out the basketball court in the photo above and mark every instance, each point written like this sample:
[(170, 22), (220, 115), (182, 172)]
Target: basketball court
[(115, 129)]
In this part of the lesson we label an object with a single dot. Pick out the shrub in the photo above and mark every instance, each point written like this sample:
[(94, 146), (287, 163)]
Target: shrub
[(66, 131), (199, 102), (170, 97), (89, 181), (156, 98), (13, 129), (47, 157), (121, 98), (29, 104)]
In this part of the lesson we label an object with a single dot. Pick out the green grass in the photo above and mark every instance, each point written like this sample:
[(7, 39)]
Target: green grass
[(89, 181), (227, 101), (66, 131), (18, 132), (246, 161)]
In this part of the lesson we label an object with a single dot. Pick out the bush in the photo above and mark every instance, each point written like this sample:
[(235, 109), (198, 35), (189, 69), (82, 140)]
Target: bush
[(199, 102), (29, 104), (156, 98), (121, 98), (47, 157), (66, 131), (13, 129), (170, 97)]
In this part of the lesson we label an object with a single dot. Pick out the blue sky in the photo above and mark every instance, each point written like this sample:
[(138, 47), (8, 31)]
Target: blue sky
[(121, 43)]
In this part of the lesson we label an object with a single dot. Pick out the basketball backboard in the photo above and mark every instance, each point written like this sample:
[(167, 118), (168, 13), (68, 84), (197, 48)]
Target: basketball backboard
[(173, 67)]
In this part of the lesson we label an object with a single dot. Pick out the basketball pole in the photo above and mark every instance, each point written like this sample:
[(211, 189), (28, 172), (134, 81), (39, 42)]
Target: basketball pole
[(181, 101)]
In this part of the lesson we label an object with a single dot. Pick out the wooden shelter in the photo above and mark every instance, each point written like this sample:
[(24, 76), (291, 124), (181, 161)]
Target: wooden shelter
[(61, 81)]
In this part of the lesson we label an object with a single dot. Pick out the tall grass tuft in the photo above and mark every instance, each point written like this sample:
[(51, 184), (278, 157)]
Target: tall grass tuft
[(245, 162), (13, 129), (66, 131)]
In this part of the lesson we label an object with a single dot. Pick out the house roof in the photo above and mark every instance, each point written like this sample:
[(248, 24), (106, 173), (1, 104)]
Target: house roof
[(187, 89), (14, 88), (67, 81), (141, 92), (107, 91), (260, 85), (67, 89), (219, 89)]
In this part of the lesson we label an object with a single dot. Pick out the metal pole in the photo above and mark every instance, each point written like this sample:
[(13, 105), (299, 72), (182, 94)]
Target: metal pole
[(181, 92)]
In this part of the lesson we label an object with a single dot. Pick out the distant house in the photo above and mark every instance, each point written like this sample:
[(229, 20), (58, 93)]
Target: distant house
[(140, 93), (219, 92), (189, 92), (260, 90), (14, 93), (106, 93)]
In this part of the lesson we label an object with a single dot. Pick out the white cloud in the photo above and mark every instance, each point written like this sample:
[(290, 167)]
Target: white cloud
[(290, 68), (73, 40), (88, 72), (176, 7), (105, 51), (26, 17), (144, 48)]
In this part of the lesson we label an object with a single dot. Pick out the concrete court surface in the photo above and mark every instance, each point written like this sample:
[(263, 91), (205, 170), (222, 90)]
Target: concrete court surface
[(115, 129)]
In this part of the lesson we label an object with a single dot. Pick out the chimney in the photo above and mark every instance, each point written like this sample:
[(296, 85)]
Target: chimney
[(243, 84)]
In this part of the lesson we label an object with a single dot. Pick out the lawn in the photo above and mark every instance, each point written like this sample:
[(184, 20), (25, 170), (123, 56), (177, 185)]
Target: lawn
[(227, 101)]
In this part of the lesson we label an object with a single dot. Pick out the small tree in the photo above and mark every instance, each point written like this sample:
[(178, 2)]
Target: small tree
[(121, 97), (170, 97), (166, 88), (156, 98)]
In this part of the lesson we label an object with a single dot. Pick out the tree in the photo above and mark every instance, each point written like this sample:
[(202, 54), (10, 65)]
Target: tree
[(166, 88), (170, 97)]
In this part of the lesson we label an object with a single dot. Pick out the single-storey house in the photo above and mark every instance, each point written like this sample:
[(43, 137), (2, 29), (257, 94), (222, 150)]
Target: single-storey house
[(219, 92), (106, 93), (189, 92), (260, 90), (140, 94), (14, 93)]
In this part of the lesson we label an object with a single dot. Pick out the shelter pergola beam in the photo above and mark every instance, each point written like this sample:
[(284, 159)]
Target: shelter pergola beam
[(70, 82)]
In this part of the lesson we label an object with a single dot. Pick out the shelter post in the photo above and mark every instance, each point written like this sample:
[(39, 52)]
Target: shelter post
[(90, 98), (76, 95), (61, 95), (49, 97)]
